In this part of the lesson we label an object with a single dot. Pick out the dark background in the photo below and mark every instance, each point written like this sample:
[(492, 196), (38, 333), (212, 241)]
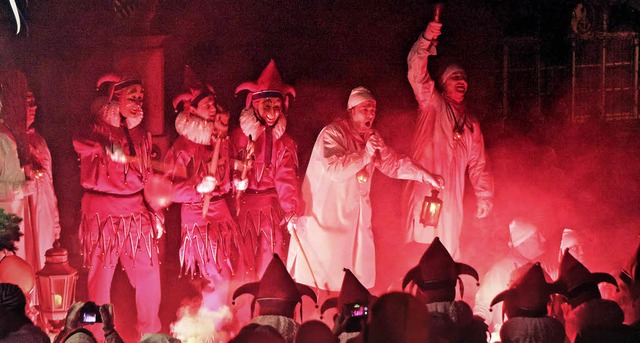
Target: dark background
[(582, 176)]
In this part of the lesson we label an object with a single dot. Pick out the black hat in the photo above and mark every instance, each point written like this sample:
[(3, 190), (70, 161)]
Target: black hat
[(351, 292), (529, 295), (437, 270), (276, 285), (577, 283)]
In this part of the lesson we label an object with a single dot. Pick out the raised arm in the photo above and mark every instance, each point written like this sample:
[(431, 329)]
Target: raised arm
[(421, 82)]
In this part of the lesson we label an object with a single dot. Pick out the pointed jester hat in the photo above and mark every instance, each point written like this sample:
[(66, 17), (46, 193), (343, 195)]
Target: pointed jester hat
[(577, 283), (268, 85), (351, 292), (192, 97), (111, 84), (631, 275), (275, 284), (529, 295), (437, 270)]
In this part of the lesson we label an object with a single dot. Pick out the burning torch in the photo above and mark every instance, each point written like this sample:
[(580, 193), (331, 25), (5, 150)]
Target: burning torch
[(437, 9)]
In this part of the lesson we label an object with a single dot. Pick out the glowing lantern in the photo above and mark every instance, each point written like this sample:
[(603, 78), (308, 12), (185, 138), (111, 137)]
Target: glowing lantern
[(362, 175), (431, 208), (158, 192), (56, 287)]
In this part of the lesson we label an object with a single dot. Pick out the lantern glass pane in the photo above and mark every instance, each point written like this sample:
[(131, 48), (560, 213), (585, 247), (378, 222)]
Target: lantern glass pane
[(58, 292)]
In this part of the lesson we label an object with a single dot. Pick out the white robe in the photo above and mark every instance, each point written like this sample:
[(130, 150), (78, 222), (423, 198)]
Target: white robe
[(12, 183), (43, 203), (335, 230), (435, 148)]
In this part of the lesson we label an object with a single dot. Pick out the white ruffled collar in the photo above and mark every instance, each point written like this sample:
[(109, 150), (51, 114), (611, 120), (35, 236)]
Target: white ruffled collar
[(110, 114), (194, 128), (251, 125)]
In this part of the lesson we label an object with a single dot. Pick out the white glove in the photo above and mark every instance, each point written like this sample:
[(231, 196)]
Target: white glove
[(241, 185), (484, 207), (207, 185), (375, 142), (436, 181), (291, 224), (159, 229), (432, 31), (116, 153), (158, 224)]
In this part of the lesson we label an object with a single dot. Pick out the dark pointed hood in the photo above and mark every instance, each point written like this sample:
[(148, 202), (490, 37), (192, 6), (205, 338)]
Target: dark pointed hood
[(351, 292), (577, 283), (276, 284), (529, 295), (437, 270)]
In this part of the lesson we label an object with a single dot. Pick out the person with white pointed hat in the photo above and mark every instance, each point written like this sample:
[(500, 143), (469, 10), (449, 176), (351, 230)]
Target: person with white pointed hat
[(335, 231), (270, 200), (447, 141)]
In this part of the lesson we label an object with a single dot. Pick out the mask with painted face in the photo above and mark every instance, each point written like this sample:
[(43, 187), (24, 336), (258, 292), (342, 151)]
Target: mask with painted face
[(130, 101), (268, 110)]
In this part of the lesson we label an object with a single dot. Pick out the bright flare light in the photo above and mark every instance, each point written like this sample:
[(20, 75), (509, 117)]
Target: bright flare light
[(205, 326)]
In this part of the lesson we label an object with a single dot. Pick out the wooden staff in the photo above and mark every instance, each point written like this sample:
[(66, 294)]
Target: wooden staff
[(247, 165), (213, 170)]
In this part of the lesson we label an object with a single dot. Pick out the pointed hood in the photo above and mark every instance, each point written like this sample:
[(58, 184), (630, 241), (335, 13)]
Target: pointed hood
[(529, 295), (268, 85), (577, 283), (276, 284), (437, 270), (351, 292), (631, 275)]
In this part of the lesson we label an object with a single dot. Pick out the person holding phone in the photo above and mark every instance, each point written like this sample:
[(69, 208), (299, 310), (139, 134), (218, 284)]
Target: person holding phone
[(82, 315)]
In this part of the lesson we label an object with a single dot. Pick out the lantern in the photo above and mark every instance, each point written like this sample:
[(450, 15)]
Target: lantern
[(56, 287), (431, 208)]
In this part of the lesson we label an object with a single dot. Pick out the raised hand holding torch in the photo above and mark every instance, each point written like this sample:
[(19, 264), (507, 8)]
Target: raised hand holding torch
[(433, 30)]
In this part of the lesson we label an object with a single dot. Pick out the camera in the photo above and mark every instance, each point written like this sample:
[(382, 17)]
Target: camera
[(90, 313), (356, 310), (356, 316)]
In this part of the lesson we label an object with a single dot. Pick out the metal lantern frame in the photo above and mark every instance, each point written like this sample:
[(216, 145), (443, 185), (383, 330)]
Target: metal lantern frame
[(56, 283), (431, 208)]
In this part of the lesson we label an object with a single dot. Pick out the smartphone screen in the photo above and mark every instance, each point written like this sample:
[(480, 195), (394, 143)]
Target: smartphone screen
[(359, 311), (89, 317)]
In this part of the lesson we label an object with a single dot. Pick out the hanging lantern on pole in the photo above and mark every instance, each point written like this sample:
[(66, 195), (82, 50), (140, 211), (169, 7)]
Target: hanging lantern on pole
[(431, 208), (56, 283)]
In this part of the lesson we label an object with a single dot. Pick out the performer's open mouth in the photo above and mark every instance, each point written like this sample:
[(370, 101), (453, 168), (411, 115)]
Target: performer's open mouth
[(461, 88), (367, 124)]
